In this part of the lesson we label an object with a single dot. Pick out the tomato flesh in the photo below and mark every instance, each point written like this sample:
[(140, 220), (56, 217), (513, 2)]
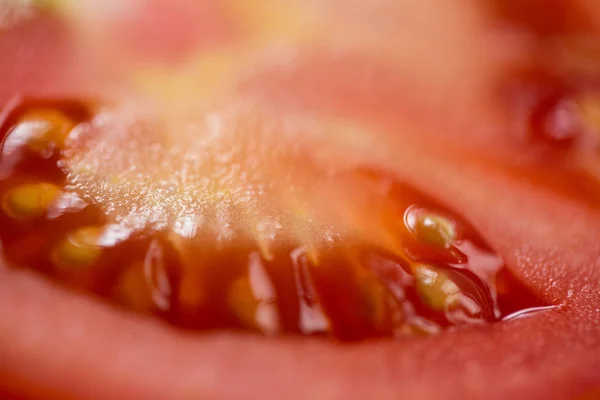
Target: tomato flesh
[(437, 80)]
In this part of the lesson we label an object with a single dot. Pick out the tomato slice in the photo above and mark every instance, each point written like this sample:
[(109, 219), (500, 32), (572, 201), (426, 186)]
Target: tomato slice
[(534, 224)]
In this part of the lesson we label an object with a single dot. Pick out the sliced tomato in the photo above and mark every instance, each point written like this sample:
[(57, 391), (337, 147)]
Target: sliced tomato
[(423, 120)]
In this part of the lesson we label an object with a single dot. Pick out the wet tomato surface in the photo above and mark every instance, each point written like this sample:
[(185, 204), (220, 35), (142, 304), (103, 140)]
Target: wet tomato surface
[(251, 202)]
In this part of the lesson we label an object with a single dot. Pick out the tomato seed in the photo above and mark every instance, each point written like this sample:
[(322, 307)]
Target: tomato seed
[(30, 201)]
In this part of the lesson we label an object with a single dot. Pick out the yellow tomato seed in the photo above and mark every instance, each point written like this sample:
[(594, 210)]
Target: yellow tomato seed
[(29, 201), (80, 248), (435, 287), (242, 302), (435, 230), (47, 129)]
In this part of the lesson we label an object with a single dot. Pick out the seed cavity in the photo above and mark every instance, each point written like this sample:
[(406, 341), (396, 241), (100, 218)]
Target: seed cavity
[(191, 292), (132, 289), (252, 298), (378, 302), (147, 286), (243, 303), (292, 263)]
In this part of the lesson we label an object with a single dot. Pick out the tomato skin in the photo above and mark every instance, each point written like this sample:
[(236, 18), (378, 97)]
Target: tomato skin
[(539, 232)]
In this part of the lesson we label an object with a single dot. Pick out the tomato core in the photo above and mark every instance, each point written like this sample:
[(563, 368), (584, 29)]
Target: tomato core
[(394, 264)]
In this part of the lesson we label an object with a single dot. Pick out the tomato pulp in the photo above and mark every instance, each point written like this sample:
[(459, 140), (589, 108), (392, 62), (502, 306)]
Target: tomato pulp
[(385, 217)]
